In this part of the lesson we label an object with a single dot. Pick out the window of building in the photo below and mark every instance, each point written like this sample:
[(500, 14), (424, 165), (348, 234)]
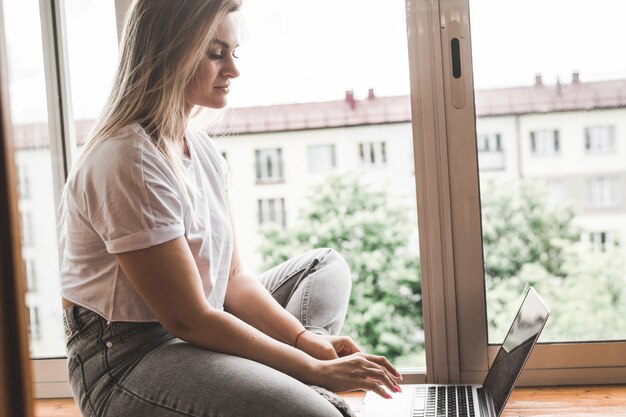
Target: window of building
[(602, 191), (30, 274), (600, 139), (373, 153), (34, 322), (23, 180), (272, 211), (545, 142), (600, 241), (26, 226), (321, 157), (269, 165), (491, 142)]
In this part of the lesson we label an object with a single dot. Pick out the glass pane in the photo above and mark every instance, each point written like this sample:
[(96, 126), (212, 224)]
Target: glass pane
[(551, 131), (321, 128), (27, 96), (92, 52), (92, 44)]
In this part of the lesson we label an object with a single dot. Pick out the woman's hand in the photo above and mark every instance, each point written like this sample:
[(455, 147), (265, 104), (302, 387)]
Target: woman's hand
[(325, 347), (358, 371)]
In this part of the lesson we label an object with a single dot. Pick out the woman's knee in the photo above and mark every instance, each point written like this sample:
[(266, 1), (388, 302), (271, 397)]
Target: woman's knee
[(337, 270)]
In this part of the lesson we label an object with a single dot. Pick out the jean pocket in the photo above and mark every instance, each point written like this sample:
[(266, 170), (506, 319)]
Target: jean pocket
[(77, 385)]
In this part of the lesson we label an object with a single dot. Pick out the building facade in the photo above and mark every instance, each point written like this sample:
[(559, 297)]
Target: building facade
[(570, 138)]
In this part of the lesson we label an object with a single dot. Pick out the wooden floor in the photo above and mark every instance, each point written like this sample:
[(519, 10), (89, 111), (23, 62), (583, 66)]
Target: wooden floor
[(591, 401)]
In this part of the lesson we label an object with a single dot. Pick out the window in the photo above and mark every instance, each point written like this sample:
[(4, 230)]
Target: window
[(26, 223), (269, 165), (321, 157), (545, 142), (30, 273), (490, 153), (272, 211), (602, 191), (489, 142), (23, 180), (601, 241), (550, 111), (600, 139), (373, 153), (460, 320), (34, 322)]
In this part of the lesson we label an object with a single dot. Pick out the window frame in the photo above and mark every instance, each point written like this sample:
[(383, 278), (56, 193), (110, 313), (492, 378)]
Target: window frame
[(600, 145), (448, 203), (273, 156), (597, 362)]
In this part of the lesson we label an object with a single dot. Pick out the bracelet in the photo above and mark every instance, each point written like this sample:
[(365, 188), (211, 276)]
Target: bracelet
[(295, 343)]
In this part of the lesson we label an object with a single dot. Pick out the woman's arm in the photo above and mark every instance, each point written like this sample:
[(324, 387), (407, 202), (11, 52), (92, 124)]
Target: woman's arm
[(166, 278), (248, 299), (168, 281)]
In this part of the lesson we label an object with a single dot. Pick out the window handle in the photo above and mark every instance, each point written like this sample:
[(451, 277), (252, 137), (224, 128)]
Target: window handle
[(457, 79)]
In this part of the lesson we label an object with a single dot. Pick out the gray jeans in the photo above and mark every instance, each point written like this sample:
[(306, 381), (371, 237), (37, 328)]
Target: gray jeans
[(123, 369)]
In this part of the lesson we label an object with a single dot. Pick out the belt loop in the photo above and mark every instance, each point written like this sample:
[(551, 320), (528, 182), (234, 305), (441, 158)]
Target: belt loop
[(69, 318)]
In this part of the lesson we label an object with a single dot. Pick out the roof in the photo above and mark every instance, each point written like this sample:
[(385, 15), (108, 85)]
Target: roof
[(540, 98)]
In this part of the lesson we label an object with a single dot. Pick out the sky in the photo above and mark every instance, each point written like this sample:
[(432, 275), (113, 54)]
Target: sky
[(304, 50)]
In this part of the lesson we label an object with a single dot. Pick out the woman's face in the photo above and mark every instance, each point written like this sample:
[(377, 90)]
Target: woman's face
[(210, 83)]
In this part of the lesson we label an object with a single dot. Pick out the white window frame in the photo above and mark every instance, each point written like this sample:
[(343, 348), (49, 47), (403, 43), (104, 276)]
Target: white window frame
[(545, 142), (373, 154), (448, 204), (273, 156), (23, 180), (602, 192), (272, 211), (489, 142), (600, 139), (601, 240), (322, 157)]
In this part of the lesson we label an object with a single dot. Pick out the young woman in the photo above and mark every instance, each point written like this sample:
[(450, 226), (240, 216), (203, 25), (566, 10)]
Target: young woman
[(160, 317)]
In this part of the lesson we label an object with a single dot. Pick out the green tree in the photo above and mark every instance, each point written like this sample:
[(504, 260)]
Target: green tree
[(373, 234), (529, 241), (521, 227)]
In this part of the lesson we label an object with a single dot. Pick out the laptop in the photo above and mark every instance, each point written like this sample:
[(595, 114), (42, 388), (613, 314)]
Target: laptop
[(487, 400)]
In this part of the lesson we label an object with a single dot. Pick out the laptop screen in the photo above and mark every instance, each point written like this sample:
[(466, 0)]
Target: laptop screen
[(516, 349)]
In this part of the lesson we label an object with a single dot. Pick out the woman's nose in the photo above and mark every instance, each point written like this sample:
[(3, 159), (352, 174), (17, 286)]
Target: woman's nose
[(231, 69)]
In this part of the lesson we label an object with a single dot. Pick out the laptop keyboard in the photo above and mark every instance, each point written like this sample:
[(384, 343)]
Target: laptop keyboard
[(445, 401)]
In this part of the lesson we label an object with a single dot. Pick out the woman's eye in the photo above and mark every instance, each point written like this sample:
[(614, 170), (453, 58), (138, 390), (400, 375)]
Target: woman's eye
[(215, 55)]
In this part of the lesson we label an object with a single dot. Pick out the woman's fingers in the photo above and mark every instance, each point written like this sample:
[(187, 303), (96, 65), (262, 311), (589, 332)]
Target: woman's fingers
[(345, 346), (382, 377), (378, 389), (382, 361)]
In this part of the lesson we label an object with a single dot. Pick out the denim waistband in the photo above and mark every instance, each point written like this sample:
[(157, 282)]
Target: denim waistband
[(75, 317)]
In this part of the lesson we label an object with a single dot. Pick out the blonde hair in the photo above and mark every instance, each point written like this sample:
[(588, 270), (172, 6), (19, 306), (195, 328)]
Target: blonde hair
[(162, 44)]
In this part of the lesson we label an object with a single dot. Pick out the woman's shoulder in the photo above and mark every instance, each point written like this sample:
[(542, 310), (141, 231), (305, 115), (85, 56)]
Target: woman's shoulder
[(122, 147), (201, 140), (123, 153)]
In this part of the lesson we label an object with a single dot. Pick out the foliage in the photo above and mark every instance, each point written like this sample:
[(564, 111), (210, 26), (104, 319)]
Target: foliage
[(529, 241), (520, 227), (374, 235)]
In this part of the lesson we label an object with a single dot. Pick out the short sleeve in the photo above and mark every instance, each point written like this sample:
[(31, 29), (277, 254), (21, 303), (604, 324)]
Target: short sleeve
[(131, 196)]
